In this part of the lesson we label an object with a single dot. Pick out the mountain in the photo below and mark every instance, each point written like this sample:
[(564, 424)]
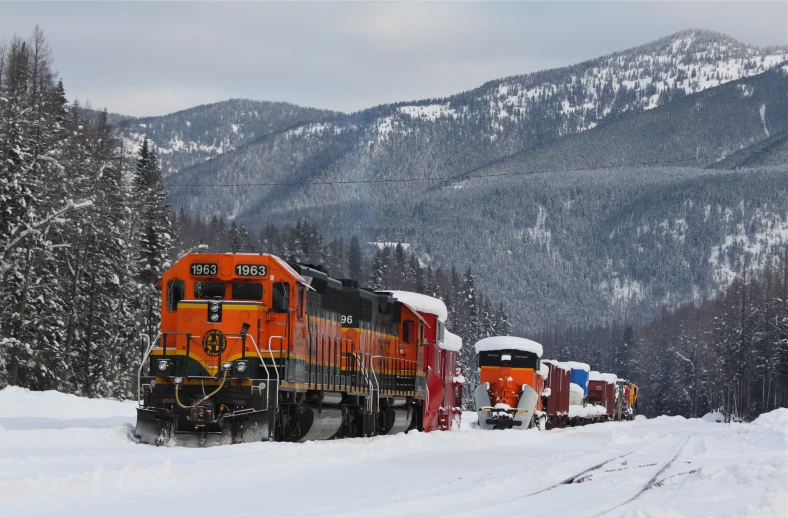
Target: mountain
[(558, 247), (191, 136), (446, 137)]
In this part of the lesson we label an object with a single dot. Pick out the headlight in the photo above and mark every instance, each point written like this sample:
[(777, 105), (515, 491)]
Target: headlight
[(214, 317), (163, 365), (227, 366), (214, 306), (241, 367)]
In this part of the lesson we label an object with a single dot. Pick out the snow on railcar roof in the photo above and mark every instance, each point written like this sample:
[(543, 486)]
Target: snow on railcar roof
[(603, 376), (558, 364), (451, 342), (422, 303), (578, 366), (498, 343)]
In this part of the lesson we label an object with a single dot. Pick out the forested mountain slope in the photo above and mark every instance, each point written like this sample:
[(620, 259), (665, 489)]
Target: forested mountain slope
[(581, 248), (191, 136), (741, 119), (568, 248)]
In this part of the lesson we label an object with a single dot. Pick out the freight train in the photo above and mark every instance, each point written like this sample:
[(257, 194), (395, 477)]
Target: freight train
[(253, 347), (517, 389)]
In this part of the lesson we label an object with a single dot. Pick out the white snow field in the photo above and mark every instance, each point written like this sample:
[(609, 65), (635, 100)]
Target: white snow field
[(66, 456)]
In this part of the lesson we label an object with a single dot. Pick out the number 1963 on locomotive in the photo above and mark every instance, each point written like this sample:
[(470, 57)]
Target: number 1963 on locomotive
[(241, 270)]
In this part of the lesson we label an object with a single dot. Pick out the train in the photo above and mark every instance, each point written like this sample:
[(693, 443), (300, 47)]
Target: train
[(519, 389), (256, 348)]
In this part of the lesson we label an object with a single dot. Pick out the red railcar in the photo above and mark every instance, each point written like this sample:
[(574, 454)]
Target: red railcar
[(602, 391), (444, 385), (556, 393)]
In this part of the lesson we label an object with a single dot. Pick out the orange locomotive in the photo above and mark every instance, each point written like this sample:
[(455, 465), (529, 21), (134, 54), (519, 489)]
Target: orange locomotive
[(511, 383), (256, 348)]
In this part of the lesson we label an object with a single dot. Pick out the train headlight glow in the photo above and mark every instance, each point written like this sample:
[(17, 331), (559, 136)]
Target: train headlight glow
[(163, 365), (214, 317), (214, 306), (228, 366), (241, 367)]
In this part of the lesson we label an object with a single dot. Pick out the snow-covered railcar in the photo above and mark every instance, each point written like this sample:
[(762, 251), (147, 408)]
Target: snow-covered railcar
[(602, 392), (443, 408), (254, 348), (626, 400), (579, 378), (511, 383), (555, 397)]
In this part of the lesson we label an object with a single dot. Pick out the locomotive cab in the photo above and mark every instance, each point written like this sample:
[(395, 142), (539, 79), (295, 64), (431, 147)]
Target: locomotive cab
[(510, 384), (212, 370)]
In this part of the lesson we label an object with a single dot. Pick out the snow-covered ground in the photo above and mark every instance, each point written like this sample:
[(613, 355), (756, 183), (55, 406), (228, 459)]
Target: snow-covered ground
[(67, 456)]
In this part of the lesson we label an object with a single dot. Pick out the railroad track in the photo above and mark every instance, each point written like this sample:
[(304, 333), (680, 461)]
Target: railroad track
[(575, 478), (583, 475), (648, 485)]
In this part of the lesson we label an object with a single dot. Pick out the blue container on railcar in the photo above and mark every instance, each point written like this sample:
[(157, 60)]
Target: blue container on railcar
[(580, 377)]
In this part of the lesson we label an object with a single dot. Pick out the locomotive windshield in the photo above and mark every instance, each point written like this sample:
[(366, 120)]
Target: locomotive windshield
[(247, 291), (509, 358), (208, 290)]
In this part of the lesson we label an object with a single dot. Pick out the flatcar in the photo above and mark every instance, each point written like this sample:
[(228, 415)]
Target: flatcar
[(253, 347), (511, 383)]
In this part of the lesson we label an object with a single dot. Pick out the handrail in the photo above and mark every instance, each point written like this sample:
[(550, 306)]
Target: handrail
[(366, 376), (230, 335), (273, 362), (142, 363), (409, 366)]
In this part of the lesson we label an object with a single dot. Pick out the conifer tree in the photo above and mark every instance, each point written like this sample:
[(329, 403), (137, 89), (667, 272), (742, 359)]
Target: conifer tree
[(154, 230), (355, 262)]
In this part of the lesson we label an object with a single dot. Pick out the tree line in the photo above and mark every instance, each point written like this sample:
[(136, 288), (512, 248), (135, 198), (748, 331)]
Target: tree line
[(727, 354), (84, 234)]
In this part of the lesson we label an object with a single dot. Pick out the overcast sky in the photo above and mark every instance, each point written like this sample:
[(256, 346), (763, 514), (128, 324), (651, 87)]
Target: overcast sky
[(155, 58)]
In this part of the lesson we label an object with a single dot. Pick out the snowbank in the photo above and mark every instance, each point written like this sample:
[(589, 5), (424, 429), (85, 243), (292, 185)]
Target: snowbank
[(422, 303), (714, 417), (499, 343), (574, 387), (19, 402), (451, 342)]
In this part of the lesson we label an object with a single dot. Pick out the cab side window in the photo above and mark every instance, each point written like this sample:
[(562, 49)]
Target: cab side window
[(175, 289), (408, 331), (301, 301), (281, 297)]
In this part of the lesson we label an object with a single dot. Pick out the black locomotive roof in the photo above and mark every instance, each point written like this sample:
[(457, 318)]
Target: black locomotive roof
[(316, 276)]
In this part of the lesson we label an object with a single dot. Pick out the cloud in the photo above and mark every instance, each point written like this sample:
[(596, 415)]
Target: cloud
[(158, 57)]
